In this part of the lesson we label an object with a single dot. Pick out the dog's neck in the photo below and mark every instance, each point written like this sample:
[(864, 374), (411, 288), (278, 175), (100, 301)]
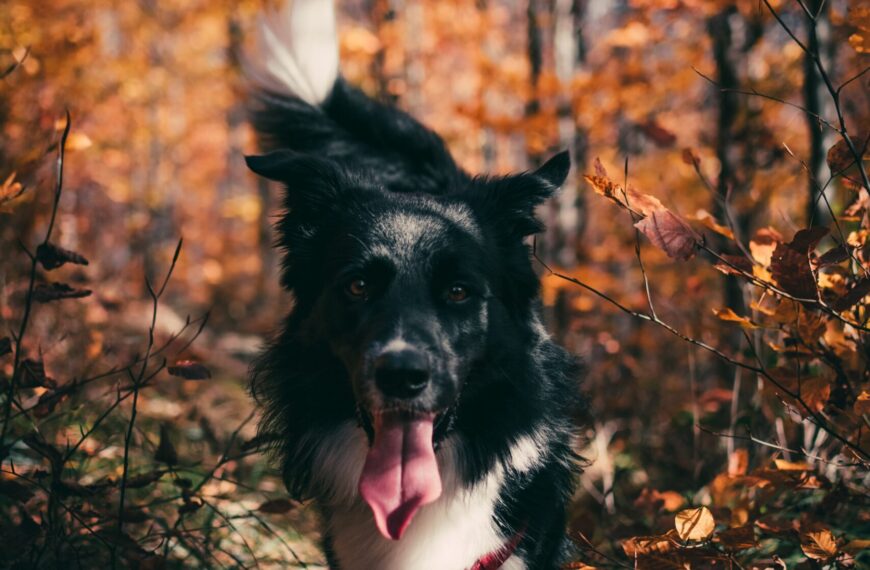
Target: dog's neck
[(455, 532)]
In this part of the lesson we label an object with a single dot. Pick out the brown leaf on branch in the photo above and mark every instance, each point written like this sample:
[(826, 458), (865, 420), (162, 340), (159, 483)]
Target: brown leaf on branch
[(190, 370), (833, 256), (840, 158), (670, 234), (709, 222), (734, 265), (47, 292), (790, 264), (52, 256), (5, 346), (853, 296), (729, 315)]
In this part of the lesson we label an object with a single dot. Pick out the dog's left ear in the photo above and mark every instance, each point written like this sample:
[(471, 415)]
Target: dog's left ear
[(511, 201), (555, 170)]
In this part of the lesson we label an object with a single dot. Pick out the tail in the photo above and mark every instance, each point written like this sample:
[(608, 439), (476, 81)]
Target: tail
[(300, 102)]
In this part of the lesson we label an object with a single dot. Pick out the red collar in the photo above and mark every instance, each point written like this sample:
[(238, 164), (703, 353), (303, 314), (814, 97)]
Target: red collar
[(494, 559)]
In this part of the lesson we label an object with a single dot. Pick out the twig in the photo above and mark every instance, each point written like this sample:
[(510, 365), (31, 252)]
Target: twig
[(137, 382), (31, 284)]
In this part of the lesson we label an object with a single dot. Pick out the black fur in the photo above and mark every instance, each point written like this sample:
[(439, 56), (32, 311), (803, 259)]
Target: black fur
[(349, 165)]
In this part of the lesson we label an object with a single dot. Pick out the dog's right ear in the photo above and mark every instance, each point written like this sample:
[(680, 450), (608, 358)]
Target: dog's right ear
[(313, 183)]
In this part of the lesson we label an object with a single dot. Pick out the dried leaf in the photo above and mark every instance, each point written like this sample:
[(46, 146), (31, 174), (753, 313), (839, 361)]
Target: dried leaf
[(695, 524), (790, 265), (670, 234), (819, 545), (5, 346), (840, 158), (47, 292), (647, 545), (734, 265), (165, 452), (654, 500), (853, 296), (709, 222), (833, 256), (190, 370), (729, 315), (691, 158), (277, 506), (52, 256), (739, 538)]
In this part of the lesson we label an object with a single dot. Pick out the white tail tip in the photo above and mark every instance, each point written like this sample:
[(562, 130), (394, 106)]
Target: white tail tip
[(295, 50)]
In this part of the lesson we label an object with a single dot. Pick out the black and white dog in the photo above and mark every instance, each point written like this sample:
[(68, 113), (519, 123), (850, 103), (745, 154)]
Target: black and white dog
[(417, 397)]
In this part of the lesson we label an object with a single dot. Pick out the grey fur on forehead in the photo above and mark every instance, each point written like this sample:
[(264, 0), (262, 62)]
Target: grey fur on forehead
[(406, 228)]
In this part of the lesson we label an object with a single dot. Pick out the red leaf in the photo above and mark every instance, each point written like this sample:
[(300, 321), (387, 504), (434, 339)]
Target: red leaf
[(669, 233)]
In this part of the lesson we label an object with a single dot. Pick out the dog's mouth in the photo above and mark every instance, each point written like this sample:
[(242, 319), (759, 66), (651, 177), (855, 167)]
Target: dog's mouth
[(401, 472)]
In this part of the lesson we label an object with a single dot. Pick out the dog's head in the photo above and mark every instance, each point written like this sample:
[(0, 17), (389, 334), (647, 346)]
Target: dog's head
[(403, 288)]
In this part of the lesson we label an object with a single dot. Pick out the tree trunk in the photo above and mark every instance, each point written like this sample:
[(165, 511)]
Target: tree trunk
[(815, 101)]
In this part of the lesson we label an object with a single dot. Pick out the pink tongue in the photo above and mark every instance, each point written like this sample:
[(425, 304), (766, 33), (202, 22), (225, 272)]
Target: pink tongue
[(401, 473)]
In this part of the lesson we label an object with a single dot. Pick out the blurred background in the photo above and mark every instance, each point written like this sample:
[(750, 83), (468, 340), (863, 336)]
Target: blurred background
[(709, 105)]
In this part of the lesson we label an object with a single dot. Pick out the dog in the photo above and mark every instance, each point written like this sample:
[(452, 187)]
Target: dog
[(415, 394)]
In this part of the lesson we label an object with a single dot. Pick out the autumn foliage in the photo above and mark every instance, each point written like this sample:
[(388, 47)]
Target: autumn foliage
[(708, 258)]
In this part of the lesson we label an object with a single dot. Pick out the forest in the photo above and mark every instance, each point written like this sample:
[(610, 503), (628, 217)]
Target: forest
[(708, 258)]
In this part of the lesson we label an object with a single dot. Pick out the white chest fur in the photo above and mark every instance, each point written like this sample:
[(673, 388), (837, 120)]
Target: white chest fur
[(449, 534)]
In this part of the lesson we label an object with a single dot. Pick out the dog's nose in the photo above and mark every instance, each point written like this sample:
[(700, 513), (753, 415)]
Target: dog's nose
[(402, 373)]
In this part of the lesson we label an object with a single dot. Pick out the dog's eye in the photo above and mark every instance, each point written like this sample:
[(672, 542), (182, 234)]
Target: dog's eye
[(358, 289), (457, 293)]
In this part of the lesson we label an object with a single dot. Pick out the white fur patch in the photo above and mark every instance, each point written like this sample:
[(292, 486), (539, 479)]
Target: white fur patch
[(295, 50), (449, 534), (526, 452)]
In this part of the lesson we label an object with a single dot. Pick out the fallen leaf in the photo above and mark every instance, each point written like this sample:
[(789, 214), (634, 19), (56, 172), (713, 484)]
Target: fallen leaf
[(819, 545), (739, 538), (695, 524)]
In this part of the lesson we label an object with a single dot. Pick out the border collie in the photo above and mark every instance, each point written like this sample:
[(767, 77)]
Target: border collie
[(416, 395)]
